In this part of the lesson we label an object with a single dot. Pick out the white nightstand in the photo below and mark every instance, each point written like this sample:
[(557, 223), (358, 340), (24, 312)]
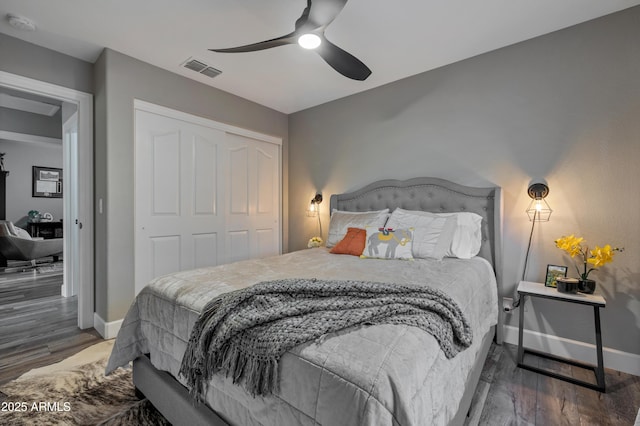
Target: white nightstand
[(531, 289)]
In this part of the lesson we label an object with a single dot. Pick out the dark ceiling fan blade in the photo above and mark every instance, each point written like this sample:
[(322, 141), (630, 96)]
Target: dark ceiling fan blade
[(262, 45), (323, 12), (343, 62), (301, 22)]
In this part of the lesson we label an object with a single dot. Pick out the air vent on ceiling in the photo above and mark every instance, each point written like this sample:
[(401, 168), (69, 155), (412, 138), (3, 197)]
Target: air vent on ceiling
[(200, 67)]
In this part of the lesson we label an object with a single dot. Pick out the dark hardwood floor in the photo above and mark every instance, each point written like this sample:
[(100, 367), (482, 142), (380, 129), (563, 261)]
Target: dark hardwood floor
[(37, 325), (514, 396), (20, 285)]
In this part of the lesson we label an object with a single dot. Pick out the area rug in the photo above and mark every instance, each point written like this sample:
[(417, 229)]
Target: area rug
[(76, 392)]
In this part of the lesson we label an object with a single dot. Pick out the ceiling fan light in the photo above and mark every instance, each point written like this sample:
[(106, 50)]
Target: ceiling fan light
[(309, 41)]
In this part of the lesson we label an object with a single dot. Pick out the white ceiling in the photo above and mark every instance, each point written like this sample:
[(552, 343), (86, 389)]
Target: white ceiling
[(396, 39)]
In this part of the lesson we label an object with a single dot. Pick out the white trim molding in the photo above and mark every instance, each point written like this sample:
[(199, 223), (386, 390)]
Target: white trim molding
[(33, 139), (585, 352), (207, 122), (108, 330)]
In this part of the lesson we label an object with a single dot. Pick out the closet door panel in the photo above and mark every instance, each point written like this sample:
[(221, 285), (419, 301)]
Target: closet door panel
[(205, 250), (253, 196), (165, 170), (205, 181)]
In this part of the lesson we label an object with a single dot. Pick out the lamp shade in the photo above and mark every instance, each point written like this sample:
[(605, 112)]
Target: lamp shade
[(313, 205), (538, 210)]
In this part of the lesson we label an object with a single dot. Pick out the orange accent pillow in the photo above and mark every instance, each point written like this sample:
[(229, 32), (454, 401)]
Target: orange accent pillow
[(353, 242)]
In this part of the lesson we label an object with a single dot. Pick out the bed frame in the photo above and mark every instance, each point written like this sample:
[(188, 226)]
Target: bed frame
[(426, 194)]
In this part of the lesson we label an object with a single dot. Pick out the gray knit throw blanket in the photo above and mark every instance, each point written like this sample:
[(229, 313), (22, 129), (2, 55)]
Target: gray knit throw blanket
[(244, 333)]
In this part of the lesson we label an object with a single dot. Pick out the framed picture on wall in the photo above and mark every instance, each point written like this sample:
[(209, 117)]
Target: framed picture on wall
[(47, 182), (553, 272)]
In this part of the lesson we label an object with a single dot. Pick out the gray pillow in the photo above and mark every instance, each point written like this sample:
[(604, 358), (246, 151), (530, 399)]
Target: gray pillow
[(341, 221)]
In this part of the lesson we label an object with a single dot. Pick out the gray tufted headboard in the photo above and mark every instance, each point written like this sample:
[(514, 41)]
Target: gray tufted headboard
[(434, 195)]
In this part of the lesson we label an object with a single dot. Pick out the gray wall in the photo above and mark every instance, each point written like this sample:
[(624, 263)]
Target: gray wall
[(39, 63), (119, 80), (19, 158), (564, 107), (13, 120)]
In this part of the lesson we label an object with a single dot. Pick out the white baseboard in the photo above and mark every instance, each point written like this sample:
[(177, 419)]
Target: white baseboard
[(108, 330), (567, 348)]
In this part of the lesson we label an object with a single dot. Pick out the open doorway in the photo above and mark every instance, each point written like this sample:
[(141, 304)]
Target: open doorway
[(77, 185), (31, 190)]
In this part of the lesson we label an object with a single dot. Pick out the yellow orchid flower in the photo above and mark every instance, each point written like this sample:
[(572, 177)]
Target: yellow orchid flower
[(598, 257), (570, 244), (601, 256)]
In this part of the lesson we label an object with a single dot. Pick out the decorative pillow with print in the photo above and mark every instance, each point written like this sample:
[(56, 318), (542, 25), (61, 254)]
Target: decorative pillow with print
[(388, 243)]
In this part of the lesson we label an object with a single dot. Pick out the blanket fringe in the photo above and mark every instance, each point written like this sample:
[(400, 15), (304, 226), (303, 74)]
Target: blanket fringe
[(258, 375)]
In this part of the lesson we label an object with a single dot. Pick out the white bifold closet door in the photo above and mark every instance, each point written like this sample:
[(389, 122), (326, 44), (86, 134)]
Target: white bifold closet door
[(204, 197), (252, 200)]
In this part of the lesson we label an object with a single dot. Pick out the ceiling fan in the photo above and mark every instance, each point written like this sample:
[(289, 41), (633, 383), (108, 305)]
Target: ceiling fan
[(309, 33)]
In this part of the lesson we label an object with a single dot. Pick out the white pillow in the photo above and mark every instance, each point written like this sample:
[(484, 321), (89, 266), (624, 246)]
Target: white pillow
[(467, 237), (432, 235), (21, 233), (12, 228), (385, 243), (341, 220)]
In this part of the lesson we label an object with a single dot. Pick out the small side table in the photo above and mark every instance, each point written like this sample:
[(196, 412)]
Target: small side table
[(531, 289)]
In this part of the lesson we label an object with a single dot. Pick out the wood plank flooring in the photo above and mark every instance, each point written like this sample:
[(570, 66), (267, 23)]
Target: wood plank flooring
[(37, 331), (21, 285), (515, 396)]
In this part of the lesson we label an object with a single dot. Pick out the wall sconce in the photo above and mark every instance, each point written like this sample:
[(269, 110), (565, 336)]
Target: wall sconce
[(538, 210), (314, 205)]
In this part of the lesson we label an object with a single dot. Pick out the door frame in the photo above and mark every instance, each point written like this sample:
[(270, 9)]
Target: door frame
[(70, 186), (85, 260)]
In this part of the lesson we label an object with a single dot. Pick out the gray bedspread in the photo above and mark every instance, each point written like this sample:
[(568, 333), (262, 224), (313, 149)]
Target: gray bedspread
[(379, 375), (244, 333)]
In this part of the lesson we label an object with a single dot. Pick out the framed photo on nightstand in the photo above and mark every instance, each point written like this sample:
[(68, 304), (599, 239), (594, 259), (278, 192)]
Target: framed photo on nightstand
[(553, 272)]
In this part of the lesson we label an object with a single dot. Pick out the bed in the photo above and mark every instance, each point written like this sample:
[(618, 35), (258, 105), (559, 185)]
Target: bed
[(382, 374)]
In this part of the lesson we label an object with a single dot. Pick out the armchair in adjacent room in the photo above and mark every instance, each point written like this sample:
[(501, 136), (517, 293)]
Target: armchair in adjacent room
[(17, 244)]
